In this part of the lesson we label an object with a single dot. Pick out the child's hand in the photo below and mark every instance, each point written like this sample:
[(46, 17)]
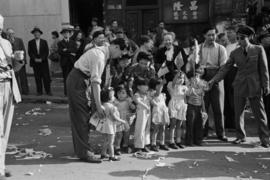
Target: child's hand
[(127, 127)]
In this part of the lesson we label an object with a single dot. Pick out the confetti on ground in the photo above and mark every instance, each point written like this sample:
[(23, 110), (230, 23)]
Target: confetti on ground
[(45, 132), (35, 112), (161, 164), (229, 159), (27, 153), (29, 174)]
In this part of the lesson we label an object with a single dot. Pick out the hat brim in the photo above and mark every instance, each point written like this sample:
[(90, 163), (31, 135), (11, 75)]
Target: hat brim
[(36, 30), (65, 30)]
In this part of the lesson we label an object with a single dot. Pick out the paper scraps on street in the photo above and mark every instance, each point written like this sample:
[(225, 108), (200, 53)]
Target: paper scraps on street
[(27, 153)]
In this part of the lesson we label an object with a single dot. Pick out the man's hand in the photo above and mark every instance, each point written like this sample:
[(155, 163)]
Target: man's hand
[(266, 91), (211, 83), (101, 112)]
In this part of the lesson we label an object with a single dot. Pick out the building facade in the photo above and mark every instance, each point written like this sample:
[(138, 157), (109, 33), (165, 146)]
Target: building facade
[(184, 17)]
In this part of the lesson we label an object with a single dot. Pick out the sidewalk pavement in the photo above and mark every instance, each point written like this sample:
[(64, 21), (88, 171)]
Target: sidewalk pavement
[(57, 88)]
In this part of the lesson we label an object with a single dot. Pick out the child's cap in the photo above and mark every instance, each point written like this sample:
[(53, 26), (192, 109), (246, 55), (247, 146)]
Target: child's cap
[(120, 87), (105, 94), (141, 82), (154, 82)]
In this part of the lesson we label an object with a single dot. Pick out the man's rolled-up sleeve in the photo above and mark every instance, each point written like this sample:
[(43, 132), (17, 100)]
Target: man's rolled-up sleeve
[(96, 66)]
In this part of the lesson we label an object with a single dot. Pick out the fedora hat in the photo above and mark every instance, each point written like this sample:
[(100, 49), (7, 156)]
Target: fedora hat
[(65, 29), (36, 29)]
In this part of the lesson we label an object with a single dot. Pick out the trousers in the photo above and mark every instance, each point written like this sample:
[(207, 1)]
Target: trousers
[(6, 115)]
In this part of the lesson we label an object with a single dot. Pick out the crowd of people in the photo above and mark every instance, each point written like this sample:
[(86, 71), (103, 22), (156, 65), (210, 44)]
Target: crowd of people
[(160, 86), (122, 89)]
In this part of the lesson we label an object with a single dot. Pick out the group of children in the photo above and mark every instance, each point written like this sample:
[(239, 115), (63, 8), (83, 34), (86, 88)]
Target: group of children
[(146, 106)]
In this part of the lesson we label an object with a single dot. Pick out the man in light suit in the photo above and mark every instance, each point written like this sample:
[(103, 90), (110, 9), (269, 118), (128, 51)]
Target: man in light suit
[(251, 81), (18, 45), (38, 51)]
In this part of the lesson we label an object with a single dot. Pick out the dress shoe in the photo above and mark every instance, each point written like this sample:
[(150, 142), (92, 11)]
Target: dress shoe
[(164, 147), (223, 138), (91, 159), (154, 148), (239, 141), (117, 152), (104, 156), (146, 149), (114, 158), (265, 145), (173, 146), (181, 146), (127, 150), (7, 173)]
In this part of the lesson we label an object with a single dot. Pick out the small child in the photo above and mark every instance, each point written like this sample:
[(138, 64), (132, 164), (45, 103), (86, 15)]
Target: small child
[(124, 105), (119, 70), (108, 124), (160, 114), (196, 114), (177, 108), (143, 115)]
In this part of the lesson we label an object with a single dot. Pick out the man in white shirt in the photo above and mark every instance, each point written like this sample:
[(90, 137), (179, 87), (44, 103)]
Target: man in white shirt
[(212, 57), (88, 68)]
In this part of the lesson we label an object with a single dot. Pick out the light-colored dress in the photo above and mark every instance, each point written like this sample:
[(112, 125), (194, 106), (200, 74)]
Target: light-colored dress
[(160, 113), (177, 104), (125, 113), (143, 120), (108, 124)]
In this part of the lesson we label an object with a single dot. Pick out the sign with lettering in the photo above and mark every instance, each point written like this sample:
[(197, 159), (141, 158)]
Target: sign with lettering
[(184, 11)]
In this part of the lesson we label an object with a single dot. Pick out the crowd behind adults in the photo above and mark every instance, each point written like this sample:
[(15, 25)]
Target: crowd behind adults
[(158, 59)]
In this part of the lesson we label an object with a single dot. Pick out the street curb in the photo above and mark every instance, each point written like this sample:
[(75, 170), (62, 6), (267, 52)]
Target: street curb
[(44, 99)]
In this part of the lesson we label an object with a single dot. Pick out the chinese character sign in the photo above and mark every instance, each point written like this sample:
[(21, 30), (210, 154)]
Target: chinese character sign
[(186, 10)]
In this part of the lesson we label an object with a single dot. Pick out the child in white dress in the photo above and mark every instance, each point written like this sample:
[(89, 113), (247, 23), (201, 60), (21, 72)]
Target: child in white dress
[(177, 108), (107, 126), (143, 116), (124, 105), (160, 114)]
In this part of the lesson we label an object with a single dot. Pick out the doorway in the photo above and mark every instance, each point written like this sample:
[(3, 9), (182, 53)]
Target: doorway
[(140, 21), (82, 11)]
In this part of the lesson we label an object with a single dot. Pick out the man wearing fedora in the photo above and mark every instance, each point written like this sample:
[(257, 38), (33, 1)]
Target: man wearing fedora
[(38, 51), (251, 81), (67, 49)]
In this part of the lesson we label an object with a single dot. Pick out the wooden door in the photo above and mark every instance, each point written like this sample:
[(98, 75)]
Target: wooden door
[(149, 19), (139, 21), (133, 24)]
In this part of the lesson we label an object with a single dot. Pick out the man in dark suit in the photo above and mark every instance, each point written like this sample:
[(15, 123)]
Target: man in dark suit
[(67, 49), (18, 45), (251, 81), (38, 51)]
